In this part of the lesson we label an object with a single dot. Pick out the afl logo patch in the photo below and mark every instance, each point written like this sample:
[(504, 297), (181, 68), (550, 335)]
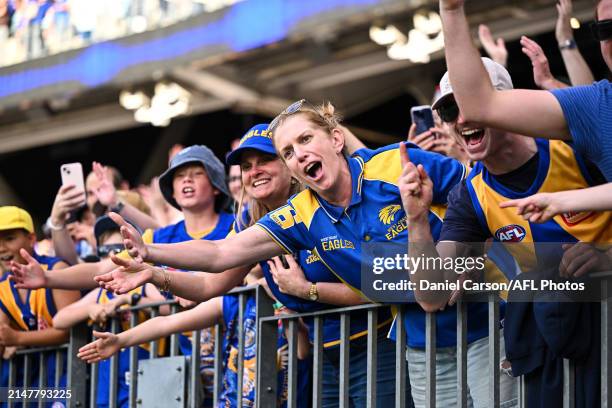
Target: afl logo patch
[(510, 233)]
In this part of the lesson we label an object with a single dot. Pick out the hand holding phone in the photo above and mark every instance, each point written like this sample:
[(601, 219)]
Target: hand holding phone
[(422, 117), (72, 174)]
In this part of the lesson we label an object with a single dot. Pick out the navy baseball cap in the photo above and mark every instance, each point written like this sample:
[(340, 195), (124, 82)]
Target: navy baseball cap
[(194, 154), (258, 138), (106, 223)]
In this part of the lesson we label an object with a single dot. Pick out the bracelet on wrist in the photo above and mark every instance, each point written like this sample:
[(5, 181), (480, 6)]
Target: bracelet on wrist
[(54, 227), (166, 284)]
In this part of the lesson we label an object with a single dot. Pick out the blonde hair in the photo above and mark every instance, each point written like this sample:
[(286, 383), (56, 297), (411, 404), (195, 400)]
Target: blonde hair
[(323, 116)]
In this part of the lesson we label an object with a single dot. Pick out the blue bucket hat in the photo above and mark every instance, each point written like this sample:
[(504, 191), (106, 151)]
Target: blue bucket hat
[(195, 154), (258, 138)]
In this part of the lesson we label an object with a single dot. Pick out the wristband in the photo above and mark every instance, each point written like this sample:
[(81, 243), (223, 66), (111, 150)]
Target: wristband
[(54, 227), (567, 44)]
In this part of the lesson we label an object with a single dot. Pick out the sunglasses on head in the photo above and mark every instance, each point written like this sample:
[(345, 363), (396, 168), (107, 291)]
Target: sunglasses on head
[(448, 111), (110, 249), (289, 110), (602, 30)]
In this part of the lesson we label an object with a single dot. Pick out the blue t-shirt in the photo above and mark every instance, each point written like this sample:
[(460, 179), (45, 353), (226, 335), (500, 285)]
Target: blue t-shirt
[(588, 112), (228, 397), (375, 214)]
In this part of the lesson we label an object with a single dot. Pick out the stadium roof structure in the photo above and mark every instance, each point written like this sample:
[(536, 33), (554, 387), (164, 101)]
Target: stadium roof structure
[(252, 57)]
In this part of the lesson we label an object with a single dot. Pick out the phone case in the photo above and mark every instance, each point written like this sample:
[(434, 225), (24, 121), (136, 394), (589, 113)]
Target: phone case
[(72, 173)]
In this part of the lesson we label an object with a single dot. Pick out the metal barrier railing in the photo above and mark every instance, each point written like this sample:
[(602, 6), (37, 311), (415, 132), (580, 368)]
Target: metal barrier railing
[(266, 338), (267, 330)]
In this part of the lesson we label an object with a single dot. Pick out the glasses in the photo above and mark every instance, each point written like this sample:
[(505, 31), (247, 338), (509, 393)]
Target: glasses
[(602, 30), (110, 249), (449, 111), (289, 110)]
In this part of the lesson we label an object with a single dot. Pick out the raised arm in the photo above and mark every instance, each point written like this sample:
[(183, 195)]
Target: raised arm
[(107, 195), (204, 315), (68, 199), (245, 248), (577, 68), (526, 112)]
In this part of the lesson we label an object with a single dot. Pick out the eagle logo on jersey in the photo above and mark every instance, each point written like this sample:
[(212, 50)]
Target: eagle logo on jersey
[(510, 233), (387, 214)]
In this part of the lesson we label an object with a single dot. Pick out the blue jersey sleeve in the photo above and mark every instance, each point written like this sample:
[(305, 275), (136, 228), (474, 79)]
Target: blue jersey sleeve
[(285, 228), (588, 113)]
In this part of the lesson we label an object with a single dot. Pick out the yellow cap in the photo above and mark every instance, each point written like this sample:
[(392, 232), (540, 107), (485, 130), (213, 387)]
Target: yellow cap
[(12, 217)]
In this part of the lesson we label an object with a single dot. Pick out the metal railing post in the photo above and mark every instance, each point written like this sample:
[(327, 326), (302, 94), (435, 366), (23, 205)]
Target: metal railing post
[(267, 339), (462, 401), (77, 369), (400, 358), (292, 339), (317, 362), (113, 372), (372, 356), (194, 370), (494, 359), (133, 397), (430, 359), (569, 384), (345, 330)]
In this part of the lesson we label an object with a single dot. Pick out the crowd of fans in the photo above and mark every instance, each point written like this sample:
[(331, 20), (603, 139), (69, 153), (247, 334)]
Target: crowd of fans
[(298, 197), (36, 28)]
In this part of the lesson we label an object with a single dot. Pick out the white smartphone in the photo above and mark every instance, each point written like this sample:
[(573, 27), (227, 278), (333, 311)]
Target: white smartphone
[(72, 173)]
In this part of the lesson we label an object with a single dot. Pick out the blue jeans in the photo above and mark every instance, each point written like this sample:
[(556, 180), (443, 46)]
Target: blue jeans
[(385, 376), (446, 376)]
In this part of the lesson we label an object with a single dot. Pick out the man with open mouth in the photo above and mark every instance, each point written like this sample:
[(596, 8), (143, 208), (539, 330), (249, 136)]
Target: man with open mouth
[(511, 166)]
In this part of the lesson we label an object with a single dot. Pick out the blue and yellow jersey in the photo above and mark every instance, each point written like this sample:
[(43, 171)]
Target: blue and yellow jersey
[(559, 168), (375, 214), (228, 397), (315, 271), (38, 309), (178, 233)]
